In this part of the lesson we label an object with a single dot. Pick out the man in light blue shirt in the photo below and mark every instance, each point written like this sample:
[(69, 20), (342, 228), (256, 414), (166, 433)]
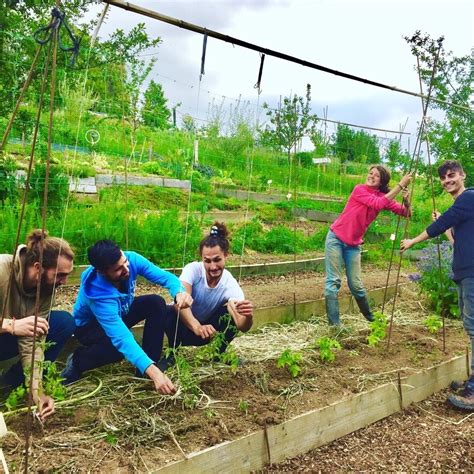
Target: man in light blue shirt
[(106, 308)]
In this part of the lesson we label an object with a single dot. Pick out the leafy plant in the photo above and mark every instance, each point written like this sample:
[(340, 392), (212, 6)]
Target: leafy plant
[(378, 329), (290, 359), (16, 396), (436, 282), (327, 348), (52, 381), (244, 406), (433, 323)]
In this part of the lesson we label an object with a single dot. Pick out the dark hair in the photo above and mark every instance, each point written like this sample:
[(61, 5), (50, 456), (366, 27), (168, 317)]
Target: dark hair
[(103, 254), (449, 165), (384, 177), (219, 235), (53, 247)]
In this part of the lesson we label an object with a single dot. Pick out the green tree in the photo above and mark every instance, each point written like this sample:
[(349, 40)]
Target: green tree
[(395, 157), (355, 146), (451, 137), (155, 113), (289, 123)]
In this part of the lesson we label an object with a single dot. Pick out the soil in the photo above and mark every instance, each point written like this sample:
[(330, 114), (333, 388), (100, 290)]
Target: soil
[(428, 436), (126, 427)]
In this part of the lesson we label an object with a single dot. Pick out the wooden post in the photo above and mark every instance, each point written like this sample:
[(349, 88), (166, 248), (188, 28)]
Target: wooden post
[(196, 152), (3, 432)]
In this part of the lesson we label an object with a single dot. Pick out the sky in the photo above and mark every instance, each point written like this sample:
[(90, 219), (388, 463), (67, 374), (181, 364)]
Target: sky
[(363, 38)]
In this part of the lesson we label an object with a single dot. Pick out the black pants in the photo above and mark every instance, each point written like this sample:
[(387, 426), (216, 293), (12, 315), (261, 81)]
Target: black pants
[(184, 335), (98, 349)]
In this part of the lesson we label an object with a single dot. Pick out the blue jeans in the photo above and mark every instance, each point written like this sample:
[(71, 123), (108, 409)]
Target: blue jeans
[(96, 347), (466, 305), (337, 255), (61, 328)]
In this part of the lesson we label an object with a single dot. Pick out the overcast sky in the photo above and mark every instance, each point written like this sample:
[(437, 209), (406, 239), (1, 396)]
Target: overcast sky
[(360, 37)]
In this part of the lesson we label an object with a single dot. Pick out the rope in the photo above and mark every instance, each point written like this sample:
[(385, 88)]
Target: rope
[(45, 34)]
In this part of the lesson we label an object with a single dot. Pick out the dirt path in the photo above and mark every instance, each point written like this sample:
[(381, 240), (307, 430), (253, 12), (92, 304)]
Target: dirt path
[(428, 436)]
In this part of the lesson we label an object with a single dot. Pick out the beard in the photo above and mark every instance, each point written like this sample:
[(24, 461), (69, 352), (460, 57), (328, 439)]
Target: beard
[(47, 288)]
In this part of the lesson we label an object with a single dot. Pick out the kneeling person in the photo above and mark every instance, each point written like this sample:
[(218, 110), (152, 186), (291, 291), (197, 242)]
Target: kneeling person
[(106, 308), (215, 292)]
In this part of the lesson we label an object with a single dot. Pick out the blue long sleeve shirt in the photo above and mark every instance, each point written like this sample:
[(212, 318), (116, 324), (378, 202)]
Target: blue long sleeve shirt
[(460, 218), (99, 299)]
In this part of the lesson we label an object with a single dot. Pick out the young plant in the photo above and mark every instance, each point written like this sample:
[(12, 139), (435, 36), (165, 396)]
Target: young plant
[(52, 381), (433, 323), (290, 360), (378, 329), (16, 396), (244, 406), (327, 348)]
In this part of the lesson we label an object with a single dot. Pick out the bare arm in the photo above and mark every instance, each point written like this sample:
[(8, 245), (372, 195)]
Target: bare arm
[(407, 243), (242, 314)]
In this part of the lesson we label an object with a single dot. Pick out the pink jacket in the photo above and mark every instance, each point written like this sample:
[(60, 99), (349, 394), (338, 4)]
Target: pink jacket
[(362, 208)]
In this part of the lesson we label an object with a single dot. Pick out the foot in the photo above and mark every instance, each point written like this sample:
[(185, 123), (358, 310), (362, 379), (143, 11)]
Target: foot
[(457, 385), (465, 399), (70, 373), (369, 317), (165, 363)]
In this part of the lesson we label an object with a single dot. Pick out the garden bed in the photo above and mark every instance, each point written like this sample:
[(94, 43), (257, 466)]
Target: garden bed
[(126, 427)]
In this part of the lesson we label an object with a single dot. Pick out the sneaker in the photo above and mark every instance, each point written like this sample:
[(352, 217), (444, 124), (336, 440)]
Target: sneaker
[(457, 385), (465, 399), (70, 373)]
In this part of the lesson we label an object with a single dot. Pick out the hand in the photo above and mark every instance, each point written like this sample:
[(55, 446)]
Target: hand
[(205, 331), (45, 405), (25, 326), (406, 195), (406, 244), (435, 215), (161, 382), (405, 181), (244, 308), (184, 300)]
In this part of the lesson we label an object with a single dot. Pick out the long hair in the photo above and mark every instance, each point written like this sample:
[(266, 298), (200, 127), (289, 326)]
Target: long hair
[(218, 235), (384, 177), (53, 248)]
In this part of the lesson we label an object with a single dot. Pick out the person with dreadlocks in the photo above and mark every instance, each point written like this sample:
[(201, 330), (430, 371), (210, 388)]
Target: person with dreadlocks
[(215, 293), (18, 306), (345, 236)]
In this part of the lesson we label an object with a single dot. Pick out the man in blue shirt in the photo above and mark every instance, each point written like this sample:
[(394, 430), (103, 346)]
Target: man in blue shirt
[(106, 308), (460, 219)]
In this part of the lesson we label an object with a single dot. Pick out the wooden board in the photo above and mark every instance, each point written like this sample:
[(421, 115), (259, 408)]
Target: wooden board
[(318, 427)]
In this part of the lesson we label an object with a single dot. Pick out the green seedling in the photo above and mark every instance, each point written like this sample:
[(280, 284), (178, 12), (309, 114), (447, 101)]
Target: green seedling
[(433, 323), (378, 329), (290, 360), (327, 348), (244, 406)]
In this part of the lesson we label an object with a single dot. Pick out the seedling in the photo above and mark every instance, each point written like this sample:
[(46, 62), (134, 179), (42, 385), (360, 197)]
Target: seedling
[(433, 323), (290, 360), (244, 406), (327, 348), (378, 329)]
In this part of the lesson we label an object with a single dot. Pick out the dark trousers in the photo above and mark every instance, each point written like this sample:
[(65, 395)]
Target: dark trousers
[(61, 328), (185, 337), (97, 349)]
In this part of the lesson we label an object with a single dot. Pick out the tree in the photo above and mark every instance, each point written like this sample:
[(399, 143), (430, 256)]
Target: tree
[(320, 142), (451, 137), (155, 113), (289, 123), (395, 157), (355, 146)]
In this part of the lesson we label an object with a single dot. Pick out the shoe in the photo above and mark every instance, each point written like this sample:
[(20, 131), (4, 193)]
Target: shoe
[(457, 385), (465, 399), (332, 311), (363, 304), (70, 373), (165, 363)]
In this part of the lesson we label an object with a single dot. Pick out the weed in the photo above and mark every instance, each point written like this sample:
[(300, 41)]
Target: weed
[(290, 359), (327, 348), (378, 329), (15, 397)]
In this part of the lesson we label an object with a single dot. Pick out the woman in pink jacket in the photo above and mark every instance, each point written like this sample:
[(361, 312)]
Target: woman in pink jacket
[(344, 239)]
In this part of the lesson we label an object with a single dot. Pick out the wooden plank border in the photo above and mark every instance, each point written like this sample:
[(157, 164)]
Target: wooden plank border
[(318, 427)]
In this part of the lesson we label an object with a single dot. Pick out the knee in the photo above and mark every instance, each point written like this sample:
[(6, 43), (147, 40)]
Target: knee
[(63, 323)]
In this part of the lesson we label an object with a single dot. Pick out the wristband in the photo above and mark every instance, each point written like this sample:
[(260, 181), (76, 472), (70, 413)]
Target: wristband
[(12, 325)]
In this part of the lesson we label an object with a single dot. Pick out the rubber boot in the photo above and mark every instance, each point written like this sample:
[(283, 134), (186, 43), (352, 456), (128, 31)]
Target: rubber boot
[(363, 304), (332, 311)]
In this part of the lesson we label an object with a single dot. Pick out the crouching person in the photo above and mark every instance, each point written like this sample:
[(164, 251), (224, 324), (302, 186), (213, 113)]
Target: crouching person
[(215, 293), (106, 308), (17, 306)]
